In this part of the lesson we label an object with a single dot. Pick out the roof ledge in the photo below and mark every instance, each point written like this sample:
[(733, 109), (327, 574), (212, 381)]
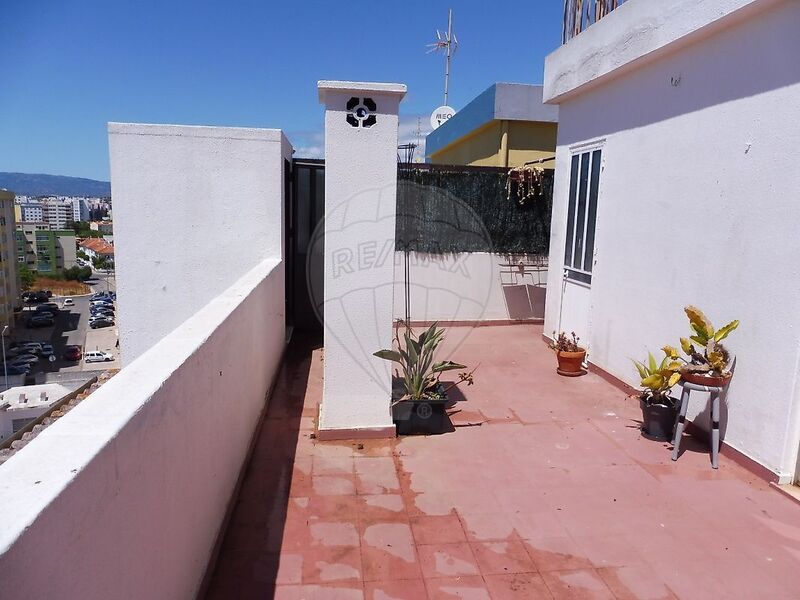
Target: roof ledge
[(637, 31)]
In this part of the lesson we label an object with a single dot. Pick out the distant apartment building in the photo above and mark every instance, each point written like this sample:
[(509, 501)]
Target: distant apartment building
[(81, 209), (57, 211), (29, 212), (97, 248), (45, 250), (9, 285)]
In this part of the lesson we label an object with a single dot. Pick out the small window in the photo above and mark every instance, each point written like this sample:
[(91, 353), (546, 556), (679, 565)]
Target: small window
[(584, 183)]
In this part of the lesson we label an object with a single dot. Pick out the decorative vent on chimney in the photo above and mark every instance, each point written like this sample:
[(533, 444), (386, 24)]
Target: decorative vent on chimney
[(360, 112)]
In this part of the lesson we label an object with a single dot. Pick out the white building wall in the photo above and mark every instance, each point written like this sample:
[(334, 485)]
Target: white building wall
[(698, 205), (125, 498), (360, 211), (218, 194)]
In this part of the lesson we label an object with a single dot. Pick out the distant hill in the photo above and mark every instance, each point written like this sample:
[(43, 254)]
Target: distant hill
[(29, 184)]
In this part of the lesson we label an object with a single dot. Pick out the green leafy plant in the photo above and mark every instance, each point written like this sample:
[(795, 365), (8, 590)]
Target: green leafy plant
[(564, 343), (417, 369), (659, 377), (710, 356)]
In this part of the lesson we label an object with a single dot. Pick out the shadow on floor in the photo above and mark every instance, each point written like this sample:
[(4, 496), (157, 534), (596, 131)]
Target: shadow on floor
[(247, 562)]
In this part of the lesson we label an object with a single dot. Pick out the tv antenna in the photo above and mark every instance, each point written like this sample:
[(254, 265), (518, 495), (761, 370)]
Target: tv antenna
[(448, 42)]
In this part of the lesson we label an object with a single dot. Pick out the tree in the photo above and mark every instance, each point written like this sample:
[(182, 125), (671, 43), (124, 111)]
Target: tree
[(82, 255), (26, 277)]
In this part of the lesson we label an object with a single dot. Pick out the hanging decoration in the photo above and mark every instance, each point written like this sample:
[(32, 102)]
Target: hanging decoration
[(526, 184)]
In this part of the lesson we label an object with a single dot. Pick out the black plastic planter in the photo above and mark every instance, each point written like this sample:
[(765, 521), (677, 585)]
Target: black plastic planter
[(423, 417), (658, 420)]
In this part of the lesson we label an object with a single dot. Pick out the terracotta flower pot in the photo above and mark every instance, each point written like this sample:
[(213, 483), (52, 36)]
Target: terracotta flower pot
[(706, 379), (570, 364)]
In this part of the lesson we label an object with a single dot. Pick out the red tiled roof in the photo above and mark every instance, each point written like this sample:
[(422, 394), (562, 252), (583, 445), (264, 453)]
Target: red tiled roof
[(97, 245)]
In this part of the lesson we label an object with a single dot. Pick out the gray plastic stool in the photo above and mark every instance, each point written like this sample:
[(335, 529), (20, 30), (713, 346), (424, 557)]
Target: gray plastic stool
[(681, 420)]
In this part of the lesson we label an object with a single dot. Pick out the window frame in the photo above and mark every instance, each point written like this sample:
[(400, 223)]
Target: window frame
[(583, 196)]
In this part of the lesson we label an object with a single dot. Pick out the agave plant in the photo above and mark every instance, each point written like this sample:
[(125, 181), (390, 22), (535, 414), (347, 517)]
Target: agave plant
[(417, 369), (659, 377), (710, 356)]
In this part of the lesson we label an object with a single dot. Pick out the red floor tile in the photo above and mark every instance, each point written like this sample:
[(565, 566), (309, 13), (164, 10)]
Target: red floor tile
[(635, 583), (381, 508), (388, 552), (556, 554), (318, 592), (517, 586), (409, 589), (488, 527), (444, 529), (447, 560), (555, 467), (577, 585), (497, 558), (464, 588)]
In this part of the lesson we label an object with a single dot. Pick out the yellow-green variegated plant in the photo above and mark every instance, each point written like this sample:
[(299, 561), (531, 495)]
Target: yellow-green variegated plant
[(710, 356), (659, 377)]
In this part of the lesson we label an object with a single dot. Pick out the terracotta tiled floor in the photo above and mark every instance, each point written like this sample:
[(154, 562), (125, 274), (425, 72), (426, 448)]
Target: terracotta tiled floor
[(545, 489)]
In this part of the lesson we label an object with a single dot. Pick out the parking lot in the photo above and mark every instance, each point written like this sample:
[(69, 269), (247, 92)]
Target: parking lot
[(71, 327)]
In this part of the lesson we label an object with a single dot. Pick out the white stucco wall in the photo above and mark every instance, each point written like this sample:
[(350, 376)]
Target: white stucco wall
[(470, 286), (633, 34), (194, 209), (360, 207), (698, 205), (124, 498)]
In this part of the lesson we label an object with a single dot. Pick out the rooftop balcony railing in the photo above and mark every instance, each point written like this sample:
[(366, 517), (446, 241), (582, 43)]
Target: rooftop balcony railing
[(580, 14)]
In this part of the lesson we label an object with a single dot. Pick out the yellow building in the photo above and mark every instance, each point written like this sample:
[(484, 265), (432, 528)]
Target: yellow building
[(505, 126), (9, 285)]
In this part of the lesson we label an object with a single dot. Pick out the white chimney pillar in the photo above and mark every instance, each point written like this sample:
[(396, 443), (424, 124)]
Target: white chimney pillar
[(361, 129)]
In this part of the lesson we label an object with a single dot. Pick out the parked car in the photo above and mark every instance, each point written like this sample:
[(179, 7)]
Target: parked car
[(101, 315), (98, 356), (47, 351), (103, 312), (69, 302), (100, 323), (41, 321), (44, 309), (17, 369), (24, 359), (72, 353), (29, 347)]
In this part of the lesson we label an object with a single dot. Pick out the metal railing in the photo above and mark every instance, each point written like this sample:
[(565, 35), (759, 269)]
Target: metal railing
[(580, 14)]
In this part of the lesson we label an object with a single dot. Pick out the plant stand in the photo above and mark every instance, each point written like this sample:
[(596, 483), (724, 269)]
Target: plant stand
[(423, 417), (681, 420)]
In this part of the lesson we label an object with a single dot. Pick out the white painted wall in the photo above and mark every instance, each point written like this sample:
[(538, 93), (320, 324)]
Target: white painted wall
[(698, 205), (360, 207), (470, 286), (194, 209), (125, 497)]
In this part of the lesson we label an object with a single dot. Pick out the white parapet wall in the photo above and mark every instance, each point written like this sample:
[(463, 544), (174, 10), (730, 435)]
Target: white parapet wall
[(124, 498), (194, 209), (697, 203), (361, 121), (470, 287)]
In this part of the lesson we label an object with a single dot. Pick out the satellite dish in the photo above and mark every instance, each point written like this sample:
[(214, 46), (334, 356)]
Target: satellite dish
[(441, 115), (52, 358)]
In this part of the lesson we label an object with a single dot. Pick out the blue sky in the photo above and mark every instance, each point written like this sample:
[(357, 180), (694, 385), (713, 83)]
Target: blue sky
[(69, 67)]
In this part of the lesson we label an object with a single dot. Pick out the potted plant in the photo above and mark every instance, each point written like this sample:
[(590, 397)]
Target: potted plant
[(709, 363), (418, 401), (569, 353), (659, 409)]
